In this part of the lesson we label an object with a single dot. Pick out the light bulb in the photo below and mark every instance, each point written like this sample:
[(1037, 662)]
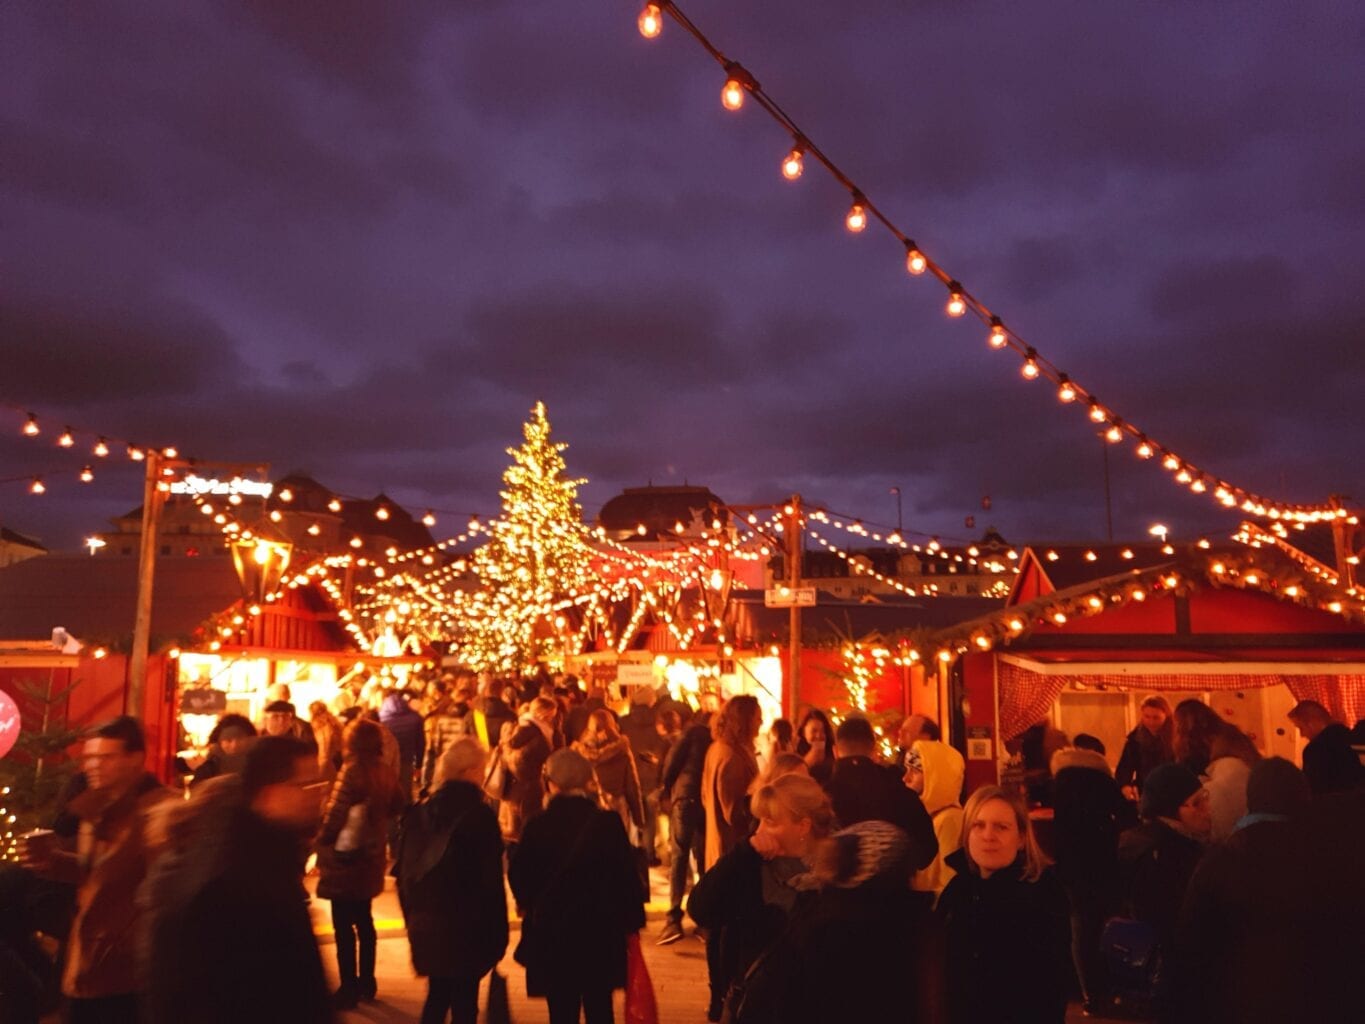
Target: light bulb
[(334, 505), (1097, 413), (135, 453), (1030, 367), (286, 495), (1170, 462), (381, 513), (732, 96), (651, 21), (1114, 434), (857, 216), (998, 337), (1144, 449), (314, 530), (31, 426), (101, 448), (792, 165), (170, 453), (915, 262), (957, 303), (66, 440), (1065, 391), (87, 474), (37, 487), (429, 520)]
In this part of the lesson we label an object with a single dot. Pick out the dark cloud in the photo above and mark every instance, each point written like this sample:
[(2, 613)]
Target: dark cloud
[(363, 240)]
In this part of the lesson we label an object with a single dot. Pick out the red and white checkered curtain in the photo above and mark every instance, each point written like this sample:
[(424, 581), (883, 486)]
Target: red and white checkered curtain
[(1027, 697)]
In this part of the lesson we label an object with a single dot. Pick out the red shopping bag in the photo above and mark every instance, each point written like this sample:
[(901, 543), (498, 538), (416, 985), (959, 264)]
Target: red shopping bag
[(641, 1006)]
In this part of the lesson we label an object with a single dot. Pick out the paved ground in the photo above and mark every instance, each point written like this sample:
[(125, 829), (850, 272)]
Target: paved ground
[(678, 971)]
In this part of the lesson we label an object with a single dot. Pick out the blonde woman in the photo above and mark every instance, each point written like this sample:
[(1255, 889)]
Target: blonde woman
[(747, 897), (1004, 920)]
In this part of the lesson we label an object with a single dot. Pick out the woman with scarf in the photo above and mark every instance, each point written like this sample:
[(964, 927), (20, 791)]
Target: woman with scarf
[(613, 766)]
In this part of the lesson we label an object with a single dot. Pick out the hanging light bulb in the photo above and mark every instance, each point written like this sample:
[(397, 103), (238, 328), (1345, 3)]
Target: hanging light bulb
[(429, 519), (1030, 367), (66, 440), (651, 21), (957, 302), (314, 529), (135, 453), (334, 505), (857, 214), (101, 448), (915, 262), (1065, 391), (37, 487), (170, 453), (1097, 413), (1144, 449), (792, 164), (31, 427), (87, 474), (382, 512), (998, 338), (1170, 462), (1115, 432), (737, 81)]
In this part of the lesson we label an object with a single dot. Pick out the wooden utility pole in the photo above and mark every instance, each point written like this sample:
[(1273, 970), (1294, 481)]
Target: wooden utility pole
[(1344, 543), (792, 688), (152, 499)]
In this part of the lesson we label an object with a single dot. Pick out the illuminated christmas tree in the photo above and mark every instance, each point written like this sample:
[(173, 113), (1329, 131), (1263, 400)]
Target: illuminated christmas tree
[(536, 554)]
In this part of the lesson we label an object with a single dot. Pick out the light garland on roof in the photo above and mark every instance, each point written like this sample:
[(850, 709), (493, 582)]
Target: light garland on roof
[(740, 84)]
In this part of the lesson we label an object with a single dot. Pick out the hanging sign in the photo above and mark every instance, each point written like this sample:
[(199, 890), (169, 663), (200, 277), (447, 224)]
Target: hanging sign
[(789, 597), (197, 485)]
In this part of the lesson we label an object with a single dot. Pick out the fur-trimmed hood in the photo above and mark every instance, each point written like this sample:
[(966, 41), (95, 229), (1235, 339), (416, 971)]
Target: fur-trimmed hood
[(1076, 757), (607, 751)]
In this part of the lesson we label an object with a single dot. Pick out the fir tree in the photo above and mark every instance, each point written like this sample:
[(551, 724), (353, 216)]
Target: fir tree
[(537, 553)]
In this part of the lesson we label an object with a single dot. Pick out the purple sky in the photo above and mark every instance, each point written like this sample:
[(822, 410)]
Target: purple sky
[(360, 240)]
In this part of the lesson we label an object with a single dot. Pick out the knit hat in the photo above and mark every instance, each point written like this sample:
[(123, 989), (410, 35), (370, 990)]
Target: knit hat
[(1166, 789), (1276, 786), (568, 769)]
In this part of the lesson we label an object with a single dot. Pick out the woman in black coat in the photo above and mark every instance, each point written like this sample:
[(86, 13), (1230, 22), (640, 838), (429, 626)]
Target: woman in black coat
[(1004, 920), (450, 885), (574, 878), (1150, 745)]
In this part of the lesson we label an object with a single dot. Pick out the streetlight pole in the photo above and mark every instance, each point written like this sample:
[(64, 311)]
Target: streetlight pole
[(1108, 497), (897, 492)]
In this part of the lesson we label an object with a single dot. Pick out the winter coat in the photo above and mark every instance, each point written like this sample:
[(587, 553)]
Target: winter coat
[(844, 956), (1155, 866), (490, 715), (450, 883), (330, 755), (1089, 814), (442, 728), (727, 774), (1142, 754), (1226, 780), (359, 873), (115, 844), (396, 715), (1239, 951), (862, 790), (646, 744), (613, 763), (686, 761), (1330, 763), (1007, 946), (744, 903), (229, 936), (574, 878), (944, 771), (215, 765), (577, 718), (524, 753)]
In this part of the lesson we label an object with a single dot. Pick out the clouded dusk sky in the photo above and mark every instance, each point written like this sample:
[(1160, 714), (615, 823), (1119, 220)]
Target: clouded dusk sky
[(360, 240)]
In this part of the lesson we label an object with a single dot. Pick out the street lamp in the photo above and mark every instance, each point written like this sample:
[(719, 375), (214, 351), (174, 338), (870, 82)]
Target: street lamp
[(897, 492)]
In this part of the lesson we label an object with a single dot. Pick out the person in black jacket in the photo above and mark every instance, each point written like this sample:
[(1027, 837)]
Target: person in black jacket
[(1090, 813), (1150, 745), (1004, 920), (1329, 761), (863, 790), (681, 780), (229, 742), (746, 898), (450, 885), (228, 936), (574, 878)]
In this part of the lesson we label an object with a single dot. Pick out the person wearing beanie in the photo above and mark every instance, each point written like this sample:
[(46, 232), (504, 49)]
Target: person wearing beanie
[(578, 892), (1157, 858), (1240, 948)]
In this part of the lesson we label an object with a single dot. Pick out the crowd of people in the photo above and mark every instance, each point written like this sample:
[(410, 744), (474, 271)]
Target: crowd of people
[(1197, 882)]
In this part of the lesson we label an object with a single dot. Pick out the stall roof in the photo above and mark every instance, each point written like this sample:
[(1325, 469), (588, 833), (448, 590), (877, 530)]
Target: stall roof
[(834, 618)]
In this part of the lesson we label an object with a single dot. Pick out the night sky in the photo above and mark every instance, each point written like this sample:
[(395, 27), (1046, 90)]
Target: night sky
[(360, 240)]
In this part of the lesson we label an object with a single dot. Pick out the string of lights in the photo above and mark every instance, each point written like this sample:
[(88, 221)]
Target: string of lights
[(741, 85)]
